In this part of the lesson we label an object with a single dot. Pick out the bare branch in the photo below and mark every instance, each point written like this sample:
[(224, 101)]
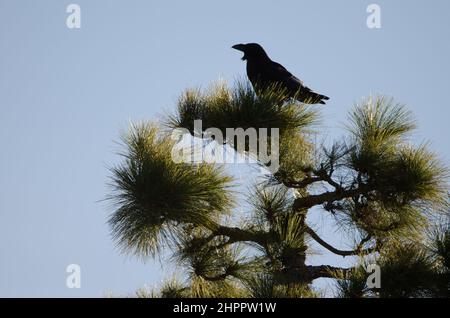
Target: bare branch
[(327, 197), (302, 183), (327, 178), (359, 249), (320, 176)]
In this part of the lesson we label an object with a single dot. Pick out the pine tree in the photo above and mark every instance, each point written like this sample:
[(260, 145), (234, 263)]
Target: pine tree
[(377, 186)]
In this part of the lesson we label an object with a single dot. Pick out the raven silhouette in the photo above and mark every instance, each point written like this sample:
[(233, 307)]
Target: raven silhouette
[(264, 73)]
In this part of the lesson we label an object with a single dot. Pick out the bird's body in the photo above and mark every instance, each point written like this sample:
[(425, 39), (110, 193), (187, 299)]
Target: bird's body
[(264, 73)]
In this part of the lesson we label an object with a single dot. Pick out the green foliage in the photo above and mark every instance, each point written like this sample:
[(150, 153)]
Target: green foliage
[(201, 288), (173, 289), (403, 175), (239, 107), (442, 247), (296, 153), (269, 203), (407, 271), (374, 183), (223, 108), (401, 182), (399, 172), (153, 194), (197, 288), (285, 244), (212, 259), (441, 252), (264, 286), (380, 121), (353, 286)]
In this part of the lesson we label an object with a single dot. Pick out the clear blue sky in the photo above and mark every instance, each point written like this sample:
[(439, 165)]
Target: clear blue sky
[(65, 95)]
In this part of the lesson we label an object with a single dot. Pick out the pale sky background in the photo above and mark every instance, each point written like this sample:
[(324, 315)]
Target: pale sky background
[(65, 95)]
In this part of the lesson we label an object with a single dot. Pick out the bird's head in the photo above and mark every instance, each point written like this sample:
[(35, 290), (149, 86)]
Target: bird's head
[(251, 51)]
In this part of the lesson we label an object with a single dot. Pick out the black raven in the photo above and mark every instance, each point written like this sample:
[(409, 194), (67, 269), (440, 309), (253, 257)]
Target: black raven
[(263, 73)]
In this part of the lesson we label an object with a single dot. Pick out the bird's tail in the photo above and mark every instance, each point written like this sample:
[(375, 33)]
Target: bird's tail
[(318, 99), (322, 98)]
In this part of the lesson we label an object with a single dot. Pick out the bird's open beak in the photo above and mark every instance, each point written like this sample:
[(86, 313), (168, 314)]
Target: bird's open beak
[(239, 47)]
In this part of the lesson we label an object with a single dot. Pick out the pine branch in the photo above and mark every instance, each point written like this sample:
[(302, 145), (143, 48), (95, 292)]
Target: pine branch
[(327, 177), (302, 183), (239, 235), (320, 175), (326, 271), (359, 249), (216, 278), (328, 197)]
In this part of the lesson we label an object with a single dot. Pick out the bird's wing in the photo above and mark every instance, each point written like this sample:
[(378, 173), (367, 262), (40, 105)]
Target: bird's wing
[(280, 73)]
